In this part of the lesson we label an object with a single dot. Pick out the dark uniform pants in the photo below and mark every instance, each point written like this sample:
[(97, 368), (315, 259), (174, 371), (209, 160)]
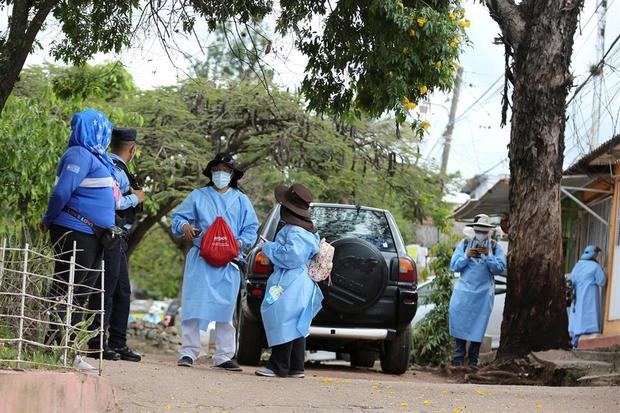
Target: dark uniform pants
[(88, 257), (117, 298), (288, 358)]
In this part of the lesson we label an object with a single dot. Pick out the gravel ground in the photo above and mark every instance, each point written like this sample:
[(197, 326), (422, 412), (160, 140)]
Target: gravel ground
[(158, 385)]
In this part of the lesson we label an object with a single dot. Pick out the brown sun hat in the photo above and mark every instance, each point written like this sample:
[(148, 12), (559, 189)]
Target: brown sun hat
[(295, 201)]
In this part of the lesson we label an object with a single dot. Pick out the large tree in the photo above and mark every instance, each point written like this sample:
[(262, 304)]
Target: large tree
[(538, 38)]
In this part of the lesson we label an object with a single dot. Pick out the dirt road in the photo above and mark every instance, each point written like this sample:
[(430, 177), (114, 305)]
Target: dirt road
[(158, 385)]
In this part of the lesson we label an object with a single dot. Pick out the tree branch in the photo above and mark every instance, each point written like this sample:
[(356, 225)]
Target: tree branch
[(508, 15)]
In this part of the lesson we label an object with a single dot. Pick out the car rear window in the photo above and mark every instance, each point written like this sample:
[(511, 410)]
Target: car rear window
[(336, 223)]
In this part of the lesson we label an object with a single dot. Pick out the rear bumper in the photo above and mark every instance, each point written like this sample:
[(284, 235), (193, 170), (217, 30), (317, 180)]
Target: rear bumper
[(393, 311), (370, 334)]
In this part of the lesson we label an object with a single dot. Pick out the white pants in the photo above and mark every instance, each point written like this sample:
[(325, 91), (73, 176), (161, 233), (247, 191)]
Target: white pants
[(224, 341)]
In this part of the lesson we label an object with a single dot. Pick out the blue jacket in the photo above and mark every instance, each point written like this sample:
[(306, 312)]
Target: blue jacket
[(474, 292), (289, 317), (210, 293), (83, 183), (585, 316)]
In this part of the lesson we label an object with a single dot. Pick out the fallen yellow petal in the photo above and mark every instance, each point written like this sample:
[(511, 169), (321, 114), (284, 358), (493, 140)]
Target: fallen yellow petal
[(457, 410), (426, 402), (480, 392), (539, 406), (168, 407), (404, 404), (327, 380)]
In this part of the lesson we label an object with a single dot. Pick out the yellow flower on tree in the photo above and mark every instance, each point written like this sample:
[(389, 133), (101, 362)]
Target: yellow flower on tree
[(455, 42), (425, 125), (465, 23), (421, 21), (404, 101), (452, 16), (412, 33), (438, 64), (423, 89), (405, 50), (411, 106)]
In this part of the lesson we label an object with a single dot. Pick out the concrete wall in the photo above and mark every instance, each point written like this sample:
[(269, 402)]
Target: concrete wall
[(55, 392)]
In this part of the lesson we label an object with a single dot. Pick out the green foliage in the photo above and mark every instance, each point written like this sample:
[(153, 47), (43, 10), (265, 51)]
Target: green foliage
[(376, 56), (34, 141), (157, 266), (432, 343), (89, 27), (84, 82), (235, 54)]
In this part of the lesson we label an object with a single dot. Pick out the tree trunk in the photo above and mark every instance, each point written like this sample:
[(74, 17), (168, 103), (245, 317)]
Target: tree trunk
[(21, 36), (535, 313)]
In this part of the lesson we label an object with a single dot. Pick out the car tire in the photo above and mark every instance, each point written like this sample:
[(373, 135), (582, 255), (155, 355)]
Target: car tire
[(250, 341), (396, 353), (363, 358)]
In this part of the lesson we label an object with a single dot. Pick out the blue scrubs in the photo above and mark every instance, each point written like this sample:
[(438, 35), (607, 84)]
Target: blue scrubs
[(474, 292), (585, 315), (289, 317), (210, 293)]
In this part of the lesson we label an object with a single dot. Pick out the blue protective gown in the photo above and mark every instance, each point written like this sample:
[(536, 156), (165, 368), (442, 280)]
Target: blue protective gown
[(289, 317), (584, 316), (210, 293), (474, 292)]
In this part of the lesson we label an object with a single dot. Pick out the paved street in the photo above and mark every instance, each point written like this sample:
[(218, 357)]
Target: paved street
[(158, 385)]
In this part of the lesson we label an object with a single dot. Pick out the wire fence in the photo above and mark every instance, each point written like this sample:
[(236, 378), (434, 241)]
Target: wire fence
[(45, 314)]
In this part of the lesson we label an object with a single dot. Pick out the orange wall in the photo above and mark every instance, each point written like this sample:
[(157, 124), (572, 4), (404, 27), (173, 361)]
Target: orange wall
[(612, 327)]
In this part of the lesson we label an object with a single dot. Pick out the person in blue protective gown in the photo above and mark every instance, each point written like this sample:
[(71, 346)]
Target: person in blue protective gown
[(477, 260), (292, 299), (210, 293), (588, 278)]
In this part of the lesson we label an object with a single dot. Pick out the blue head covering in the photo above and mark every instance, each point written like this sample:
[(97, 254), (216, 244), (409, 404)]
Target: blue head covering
[(91, 130), (590, 252)]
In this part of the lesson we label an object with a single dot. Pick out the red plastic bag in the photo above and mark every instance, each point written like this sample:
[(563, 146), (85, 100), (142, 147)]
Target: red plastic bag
[(218, 245)]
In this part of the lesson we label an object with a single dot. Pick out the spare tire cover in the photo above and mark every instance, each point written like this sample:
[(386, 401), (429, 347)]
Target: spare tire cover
[(358, 278)]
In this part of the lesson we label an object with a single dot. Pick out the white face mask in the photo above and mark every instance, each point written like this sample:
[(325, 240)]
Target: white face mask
[(221, 179), (482, 236)]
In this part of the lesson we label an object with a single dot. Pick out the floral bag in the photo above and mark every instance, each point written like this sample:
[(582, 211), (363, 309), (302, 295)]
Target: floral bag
[(320, 267)]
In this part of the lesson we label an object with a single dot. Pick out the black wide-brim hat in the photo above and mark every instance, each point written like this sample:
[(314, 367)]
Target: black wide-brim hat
[(226, 160)]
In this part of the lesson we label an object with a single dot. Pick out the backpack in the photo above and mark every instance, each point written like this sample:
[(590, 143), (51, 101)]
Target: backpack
[(320, 267), (218, 245)]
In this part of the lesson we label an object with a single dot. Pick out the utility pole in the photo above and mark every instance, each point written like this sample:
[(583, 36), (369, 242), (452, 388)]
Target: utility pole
[(447, 135), (597, 75)]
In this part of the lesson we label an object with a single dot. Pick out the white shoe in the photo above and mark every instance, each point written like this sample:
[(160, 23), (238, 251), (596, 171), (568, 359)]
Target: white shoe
[(81, 364)]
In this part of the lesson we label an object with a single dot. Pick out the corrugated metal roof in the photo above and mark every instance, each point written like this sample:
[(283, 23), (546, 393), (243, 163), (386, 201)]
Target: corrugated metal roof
[(598, 160), (493, 202)]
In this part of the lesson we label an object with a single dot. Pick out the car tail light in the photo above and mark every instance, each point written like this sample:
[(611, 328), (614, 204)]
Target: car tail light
[(406, 271), (257, 292), (262, 265)]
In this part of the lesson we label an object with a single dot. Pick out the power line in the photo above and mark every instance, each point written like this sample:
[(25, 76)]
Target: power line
[(460, 117), (594, 70)]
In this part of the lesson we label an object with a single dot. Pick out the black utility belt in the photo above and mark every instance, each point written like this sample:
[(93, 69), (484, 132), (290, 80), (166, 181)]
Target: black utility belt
[(109, 238)]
